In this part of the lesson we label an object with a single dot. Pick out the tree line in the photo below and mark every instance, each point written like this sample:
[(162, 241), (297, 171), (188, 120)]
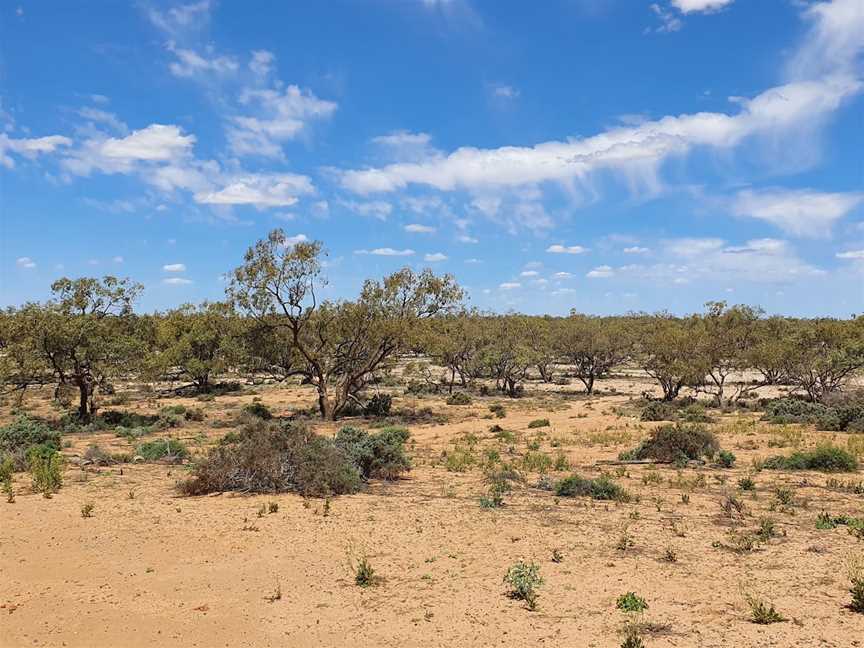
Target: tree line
[(274, 323)]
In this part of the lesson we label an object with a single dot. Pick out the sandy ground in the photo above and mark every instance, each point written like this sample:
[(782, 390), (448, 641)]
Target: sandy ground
[(151, 568)]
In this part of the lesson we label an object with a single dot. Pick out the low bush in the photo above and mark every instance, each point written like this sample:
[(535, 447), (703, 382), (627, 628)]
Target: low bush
[(258, 410), (538, 423), (672, 443), (459, 398), (631, 602), (823, 458), (378, 455), (378, 405), (498, 410), (658, 411), (270, 457), (839, 412), (524, 579), (602, 488), (162, 449), (24, 433), (46, 467)]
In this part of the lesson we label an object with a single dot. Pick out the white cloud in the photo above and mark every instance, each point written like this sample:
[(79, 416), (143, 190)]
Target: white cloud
[(177, 281), (109, 119), (25, 262), (261, 190), (465, 238), (174, 267), (562, 275), (799, 212), (693, 6), (504, 91), (190, 63), (834, 43), (294, 240), (276, 116), (386, 251), (566, 249), (857, 255), (261, 63), (669, 22), (435, 257), (376, 208), (29, 147), (510, 285), (636, 250), (529, 273), (117, 259), (473, 261), (181, 17), (601, 272), (402, 138), (416, 228)]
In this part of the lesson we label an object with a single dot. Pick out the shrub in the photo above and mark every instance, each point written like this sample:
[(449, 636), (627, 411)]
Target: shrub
[(538, 423), (746, 483), (631, 602), (97, 456), (23, 433), (695, 413), (856, 589), (271, 457), (378, 405), (524, 579), (380, 455), (115, 418), (671, 443), (824, 458), (793, 410), (364, 574), (87, 510), (498, 410), (158, 449), (602, 488), (762, 612), (459, 398), (46, 466), (657, 411), (725, 459), (536, 462), (258, 410)]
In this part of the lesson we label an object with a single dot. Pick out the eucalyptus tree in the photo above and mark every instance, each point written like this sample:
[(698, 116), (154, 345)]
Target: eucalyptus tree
[(340, 345), (593, 346)]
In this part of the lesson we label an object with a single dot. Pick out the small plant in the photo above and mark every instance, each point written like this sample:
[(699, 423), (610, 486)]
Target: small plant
[(784, 495), (746, 483), (731, 506), (670, 555), (631, 602), (46, 465), (258, 410), (459, 398), (725, 459), (625, 541), (277, 593), (364, 574), (632, 638), (856, 588), (162, 449), (498, 410), (602, 488), (7, 467), (87, 510), (762, 612), (767, 529), (272, 507), (557, 556), (824, 458), (524, 579), (538, 423)]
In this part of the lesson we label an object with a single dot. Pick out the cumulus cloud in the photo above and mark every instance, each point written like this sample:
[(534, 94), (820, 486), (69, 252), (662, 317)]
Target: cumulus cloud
[(260, 190), (435, 257), (857, 255), (376, 208), (510, 285), (416, 228), (109, 119), (174, 267), (566, 249), (699, 6), (799, 212), (25, 262), (601, 272), (635, 249), (386, 251), (29, 148), (176, 281), (529, 273)]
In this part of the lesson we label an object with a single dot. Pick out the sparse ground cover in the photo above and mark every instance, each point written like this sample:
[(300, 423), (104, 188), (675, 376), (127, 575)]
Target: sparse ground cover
[(504, 530)]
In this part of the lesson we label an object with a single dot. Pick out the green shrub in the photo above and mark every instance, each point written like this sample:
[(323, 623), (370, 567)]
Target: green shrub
[(258, 410), (602, 488), (694, 413), (364, 574), (631, 602), (536, 462), (46, 467), (725, 458), (118, 418), (762, 612), (378, 405), (657, 411), (23, 433), (159, 449), (459, 398), (269, 457), (538, 423), (498, 410), (524, 580), (824, 458), (379, 455), (793, 410), (674, 443)]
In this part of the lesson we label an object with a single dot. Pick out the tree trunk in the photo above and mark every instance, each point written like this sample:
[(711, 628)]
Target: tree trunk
[(85, 402), (589, 384)]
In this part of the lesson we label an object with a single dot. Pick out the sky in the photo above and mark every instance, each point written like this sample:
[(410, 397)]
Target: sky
[(600, 155)]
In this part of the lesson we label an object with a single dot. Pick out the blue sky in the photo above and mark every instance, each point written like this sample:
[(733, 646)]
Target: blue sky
[(604, 155)]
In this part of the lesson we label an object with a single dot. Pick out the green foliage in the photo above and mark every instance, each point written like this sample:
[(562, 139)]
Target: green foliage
[(675, 443), (658, 411), (823, 458), (46, 467), (538, 423), (725, 459), (746, 483), (379, 455), (631, 602), (498, 410), (258, 410), (762, 612), (524, 579), (162, 449), (87, 510), (536, 462), (602, 488), (23, 433), (459, 398), (364, 574), (378, 405), (271, 457)]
